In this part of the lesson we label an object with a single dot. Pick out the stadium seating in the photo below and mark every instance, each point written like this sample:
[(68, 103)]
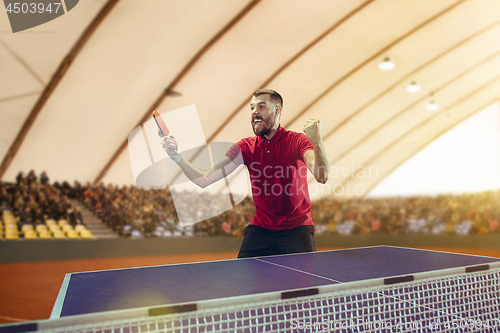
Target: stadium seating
[(30, 234), (86, 234), (59, 234), (44, 234), (27, 227), (67, 228), (54, 228), (41, 227), (80, 228), (72, 234), (11, 234)]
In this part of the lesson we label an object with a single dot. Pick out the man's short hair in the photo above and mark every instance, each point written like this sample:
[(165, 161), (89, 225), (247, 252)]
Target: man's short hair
[(274, 96)]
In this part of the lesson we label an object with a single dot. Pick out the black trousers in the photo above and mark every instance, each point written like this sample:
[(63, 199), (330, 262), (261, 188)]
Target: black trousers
[(259, 242)]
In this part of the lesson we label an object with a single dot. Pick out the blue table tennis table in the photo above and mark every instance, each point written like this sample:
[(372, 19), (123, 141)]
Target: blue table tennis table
[(90, 292), (371, 289)]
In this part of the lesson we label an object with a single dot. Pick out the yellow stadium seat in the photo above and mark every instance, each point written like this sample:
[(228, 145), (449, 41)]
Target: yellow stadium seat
[(7, 213), (67, 228), (41, 227), (62, 222), (59, 235), (11, 227), (31, 234), (86, 234), (11, 234), (45, 234), (27, 227), (54, 228), (80, 227), (50, 222), (72, 234)]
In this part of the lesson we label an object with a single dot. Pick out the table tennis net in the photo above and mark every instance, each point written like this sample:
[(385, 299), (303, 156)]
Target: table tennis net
[(453, 300)]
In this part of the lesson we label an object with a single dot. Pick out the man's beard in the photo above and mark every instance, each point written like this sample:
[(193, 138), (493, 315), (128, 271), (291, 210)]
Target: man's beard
[(264, 128)]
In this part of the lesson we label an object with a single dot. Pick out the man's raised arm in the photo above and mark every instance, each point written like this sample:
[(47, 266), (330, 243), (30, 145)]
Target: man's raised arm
[(203, 178)]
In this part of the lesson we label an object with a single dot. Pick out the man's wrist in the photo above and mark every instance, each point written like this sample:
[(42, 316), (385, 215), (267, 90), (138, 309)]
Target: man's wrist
[(317, 143), (177, 157)]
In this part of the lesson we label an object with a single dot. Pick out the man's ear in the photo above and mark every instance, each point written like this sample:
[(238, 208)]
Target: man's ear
[(278, 110)]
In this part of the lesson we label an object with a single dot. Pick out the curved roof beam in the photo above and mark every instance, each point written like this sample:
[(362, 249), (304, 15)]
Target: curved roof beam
[(375, 56), (54, 82), (170, 89)]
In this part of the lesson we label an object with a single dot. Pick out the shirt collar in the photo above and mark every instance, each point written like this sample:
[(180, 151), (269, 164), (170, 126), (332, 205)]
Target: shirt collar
[(276, 137)]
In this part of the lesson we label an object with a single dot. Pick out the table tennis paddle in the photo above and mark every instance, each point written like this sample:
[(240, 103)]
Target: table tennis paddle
[(162, 127), (160, 123)]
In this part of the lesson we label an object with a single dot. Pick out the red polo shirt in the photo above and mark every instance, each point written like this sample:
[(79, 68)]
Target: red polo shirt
[(278, 175)]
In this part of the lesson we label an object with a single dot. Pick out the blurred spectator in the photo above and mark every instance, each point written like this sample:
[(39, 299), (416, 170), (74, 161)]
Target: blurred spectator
[(31, 178), (38, 216), (75, 217), (20, 178), (148, 227), (25, 217), (59, 213), (44, 179)]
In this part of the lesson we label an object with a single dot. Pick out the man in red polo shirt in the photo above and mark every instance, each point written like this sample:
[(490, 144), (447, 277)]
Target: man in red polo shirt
[(277, 161)]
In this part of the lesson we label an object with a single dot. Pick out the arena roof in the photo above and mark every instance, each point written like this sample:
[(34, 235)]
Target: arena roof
[(73, 89)]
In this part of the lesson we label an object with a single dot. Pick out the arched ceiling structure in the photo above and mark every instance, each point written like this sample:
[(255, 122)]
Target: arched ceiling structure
[(73, 89)]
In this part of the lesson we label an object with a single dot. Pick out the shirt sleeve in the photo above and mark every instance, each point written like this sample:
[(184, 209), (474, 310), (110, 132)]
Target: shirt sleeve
[(304, 144), (235, 153)]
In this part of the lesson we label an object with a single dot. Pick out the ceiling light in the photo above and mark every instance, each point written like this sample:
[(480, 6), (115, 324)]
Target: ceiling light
[(386, 65), (432, 106), (413, 87)]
